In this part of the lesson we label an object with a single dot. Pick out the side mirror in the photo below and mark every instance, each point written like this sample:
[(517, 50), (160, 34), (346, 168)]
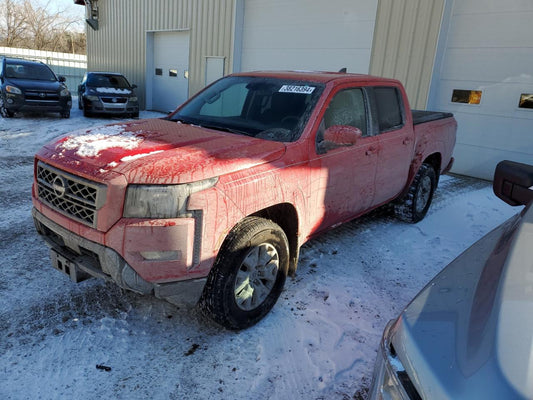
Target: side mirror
[(342, 135), (513, 182), (134, 86), (61, 78)]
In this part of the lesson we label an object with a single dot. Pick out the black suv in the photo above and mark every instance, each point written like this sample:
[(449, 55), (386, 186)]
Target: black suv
[(31, 86), (107, 93)]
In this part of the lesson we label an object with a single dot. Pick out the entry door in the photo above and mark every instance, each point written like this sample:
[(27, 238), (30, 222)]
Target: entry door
[(170, 83)]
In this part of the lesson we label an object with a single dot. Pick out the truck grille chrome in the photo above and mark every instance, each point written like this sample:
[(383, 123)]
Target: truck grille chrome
[(75, 197)]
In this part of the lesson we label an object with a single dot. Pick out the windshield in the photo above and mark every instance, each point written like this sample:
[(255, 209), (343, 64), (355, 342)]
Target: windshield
[(107, 81), (38, 72), (267, 108)]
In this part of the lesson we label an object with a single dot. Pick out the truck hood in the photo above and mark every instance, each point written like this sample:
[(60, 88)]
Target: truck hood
[(158, 151), (469, 333)]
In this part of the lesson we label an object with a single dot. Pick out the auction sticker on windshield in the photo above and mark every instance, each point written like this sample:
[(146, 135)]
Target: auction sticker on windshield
[(296, 89)]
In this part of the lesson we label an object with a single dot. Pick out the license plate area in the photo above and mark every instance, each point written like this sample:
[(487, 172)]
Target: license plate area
[(68, 267)]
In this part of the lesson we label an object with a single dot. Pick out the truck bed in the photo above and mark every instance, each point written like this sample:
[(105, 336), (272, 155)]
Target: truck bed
[(421, 116)]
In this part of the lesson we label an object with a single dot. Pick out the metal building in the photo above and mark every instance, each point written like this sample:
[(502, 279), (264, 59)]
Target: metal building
[(470, 57)]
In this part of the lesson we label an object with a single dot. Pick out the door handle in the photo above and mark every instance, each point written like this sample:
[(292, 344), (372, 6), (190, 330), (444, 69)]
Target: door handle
[(370, 151), (406, 141)]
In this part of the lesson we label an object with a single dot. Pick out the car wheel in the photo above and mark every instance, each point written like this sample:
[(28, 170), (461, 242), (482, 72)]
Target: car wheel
[(4, 111), (415, 204), (248, 275), (80, 106), (86, 113)]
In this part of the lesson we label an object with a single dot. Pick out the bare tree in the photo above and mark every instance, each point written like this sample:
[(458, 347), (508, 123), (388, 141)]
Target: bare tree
[(12, 23), (29, 24)]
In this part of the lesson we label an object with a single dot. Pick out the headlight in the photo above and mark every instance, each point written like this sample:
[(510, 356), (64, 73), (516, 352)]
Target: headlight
[(64, 93), (13, 89), (133, 98), (162, 201), (92, 98)]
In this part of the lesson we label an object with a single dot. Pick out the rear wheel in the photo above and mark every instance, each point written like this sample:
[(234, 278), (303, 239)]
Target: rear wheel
[(248, 275), (415, 204)]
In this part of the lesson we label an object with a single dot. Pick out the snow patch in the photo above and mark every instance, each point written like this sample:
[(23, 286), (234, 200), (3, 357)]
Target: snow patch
[(102, 138), (137, 156), (112, 90)]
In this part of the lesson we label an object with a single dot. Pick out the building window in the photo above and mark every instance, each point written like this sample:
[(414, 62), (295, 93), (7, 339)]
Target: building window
[(466, 96), (172, 72), (159, 71), (526, 101)]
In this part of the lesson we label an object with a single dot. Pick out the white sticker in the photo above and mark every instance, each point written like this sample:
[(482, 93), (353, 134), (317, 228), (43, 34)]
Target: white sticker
[(296, 89)]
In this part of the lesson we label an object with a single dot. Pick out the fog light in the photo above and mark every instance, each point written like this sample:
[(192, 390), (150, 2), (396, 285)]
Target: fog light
[(161, 255), (10, 101)]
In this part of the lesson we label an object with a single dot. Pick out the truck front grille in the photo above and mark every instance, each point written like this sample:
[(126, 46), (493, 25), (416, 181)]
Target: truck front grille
[(75, 197)]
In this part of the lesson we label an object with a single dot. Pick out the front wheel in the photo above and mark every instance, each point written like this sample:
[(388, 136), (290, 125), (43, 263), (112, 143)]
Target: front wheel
[(4, 112), (415, 204), (248, 275)]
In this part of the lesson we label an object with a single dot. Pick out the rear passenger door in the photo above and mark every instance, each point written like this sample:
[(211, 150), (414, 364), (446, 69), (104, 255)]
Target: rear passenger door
[(396, 139)]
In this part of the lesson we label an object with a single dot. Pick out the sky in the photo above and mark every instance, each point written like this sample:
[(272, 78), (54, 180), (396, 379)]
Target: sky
[(68, 7)]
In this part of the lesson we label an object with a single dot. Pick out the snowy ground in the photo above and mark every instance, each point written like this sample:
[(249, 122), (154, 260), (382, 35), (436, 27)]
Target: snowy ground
[(59, 340)]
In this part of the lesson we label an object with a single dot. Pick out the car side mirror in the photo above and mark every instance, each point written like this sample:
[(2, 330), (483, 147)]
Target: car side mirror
[(342, 135), (513, 182), (61, 78), (134, 86)]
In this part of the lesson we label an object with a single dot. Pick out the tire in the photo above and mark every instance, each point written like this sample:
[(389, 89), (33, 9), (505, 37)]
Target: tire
[(415, 204), (86, 113), (79, 103), (4, 112), (248, 275)]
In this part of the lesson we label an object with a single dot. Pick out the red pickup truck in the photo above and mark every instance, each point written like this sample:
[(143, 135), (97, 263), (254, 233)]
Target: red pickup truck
[(213, 202)]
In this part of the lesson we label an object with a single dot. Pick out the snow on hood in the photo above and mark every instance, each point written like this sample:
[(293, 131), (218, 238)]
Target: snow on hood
[(111, 90), (158, 151), (92, 142)]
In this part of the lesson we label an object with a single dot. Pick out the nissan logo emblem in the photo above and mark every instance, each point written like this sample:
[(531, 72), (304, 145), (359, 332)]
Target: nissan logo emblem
[(42, 95), (114, 100), (59, 185)]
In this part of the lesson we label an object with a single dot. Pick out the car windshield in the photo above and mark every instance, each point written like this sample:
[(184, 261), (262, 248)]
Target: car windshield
[(107, 81), (267, 108), (38, 72)]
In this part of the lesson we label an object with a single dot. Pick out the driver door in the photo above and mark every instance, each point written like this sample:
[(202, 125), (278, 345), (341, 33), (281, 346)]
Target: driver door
[(342, 176)]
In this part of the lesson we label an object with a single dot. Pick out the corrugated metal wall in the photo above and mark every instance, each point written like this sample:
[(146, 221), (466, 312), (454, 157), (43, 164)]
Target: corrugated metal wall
[(405, 42), (119, 44)]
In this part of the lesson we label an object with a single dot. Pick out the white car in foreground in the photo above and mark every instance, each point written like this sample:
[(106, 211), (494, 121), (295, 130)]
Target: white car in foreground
[(469, 333)]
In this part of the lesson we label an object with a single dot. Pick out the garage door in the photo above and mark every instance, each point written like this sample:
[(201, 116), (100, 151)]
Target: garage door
[(485, 79), (169, 70), (308, 34)]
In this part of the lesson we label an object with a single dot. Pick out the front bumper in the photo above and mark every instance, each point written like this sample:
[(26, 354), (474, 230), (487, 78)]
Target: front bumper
[(108, 107), (81, 259), (20, 103)]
